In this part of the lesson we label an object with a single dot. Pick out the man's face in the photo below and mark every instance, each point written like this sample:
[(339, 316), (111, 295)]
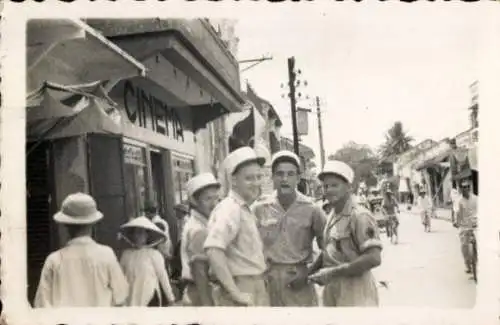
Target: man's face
[(285, 178), (465, 190), (248, 181), (335, 188), (207, 200)]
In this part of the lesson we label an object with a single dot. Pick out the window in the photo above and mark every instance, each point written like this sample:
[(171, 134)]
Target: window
[(183, 171), (135, 179)]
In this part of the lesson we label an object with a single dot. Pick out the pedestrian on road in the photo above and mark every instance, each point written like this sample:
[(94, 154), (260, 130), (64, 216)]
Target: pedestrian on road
[(389, 207), (455, 203), (426, 209), (83, 273), (289, 222), (144, 266), (352, 245), (203, 193), (233, 243), (466, 220)]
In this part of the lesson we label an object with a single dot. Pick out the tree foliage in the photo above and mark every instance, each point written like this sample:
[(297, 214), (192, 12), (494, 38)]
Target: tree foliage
[(362, 160), (397, 141)]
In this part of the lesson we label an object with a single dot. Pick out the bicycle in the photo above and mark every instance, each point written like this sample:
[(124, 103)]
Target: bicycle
[(472, 247), (392, 228)]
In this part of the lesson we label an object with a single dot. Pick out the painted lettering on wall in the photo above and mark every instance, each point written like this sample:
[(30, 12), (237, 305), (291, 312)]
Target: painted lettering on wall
[(163, 119)]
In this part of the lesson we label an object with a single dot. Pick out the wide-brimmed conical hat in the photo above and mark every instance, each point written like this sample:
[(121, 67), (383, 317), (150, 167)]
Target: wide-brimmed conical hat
[(155, 235)]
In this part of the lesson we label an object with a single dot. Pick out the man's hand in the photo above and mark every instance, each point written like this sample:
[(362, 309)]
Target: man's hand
[(243, 299), (323, 276), (299, 280)]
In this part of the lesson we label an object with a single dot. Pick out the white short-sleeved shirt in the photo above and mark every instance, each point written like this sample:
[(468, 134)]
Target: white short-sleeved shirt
[(194, 235), (232, 227)]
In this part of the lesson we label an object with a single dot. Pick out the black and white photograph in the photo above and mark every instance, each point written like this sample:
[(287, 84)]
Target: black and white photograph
[(321, 160)]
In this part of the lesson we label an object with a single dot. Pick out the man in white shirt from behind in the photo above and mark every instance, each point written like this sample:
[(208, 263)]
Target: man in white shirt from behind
[(83, 273)]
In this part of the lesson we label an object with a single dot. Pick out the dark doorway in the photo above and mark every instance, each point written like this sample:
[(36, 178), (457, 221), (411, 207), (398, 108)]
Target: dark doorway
[(158, 180), (40, 228)]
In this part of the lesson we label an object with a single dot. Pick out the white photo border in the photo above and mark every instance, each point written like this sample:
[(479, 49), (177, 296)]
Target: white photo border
[(13, 224)]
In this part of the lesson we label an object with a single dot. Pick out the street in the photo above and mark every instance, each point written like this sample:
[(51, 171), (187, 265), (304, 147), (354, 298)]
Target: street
[(424, 269)]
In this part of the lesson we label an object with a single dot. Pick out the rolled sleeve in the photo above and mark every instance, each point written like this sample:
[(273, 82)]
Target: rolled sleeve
[(318, 225), (223, 227), (195, 247), (366, 232)]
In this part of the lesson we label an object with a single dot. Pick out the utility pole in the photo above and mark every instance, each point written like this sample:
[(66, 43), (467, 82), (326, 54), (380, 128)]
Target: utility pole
[(320, 130), (291, 84)]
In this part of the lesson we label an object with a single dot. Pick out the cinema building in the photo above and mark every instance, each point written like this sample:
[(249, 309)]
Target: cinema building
[(127, 123)]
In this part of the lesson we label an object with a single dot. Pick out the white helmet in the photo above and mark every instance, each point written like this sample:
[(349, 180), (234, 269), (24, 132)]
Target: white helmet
[(338, 168)]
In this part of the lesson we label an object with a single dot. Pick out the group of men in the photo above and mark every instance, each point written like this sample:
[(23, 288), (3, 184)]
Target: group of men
[(253, 250), (244, 250)]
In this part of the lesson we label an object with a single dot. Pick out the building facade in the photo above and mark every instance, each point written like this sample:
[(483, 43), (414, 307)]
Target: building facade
[(130, 138)]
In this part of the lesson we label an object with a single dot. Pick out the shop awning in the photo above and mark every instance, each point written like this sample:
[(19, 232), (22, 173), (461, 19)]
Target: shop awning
[(78, 114), (191, 47), (68, 51), (435, 162)]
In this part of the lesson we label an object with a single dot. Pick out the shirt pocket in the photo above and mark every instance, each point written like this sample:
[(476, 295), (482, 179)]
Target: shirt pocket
[(341, 242), (269, 229)]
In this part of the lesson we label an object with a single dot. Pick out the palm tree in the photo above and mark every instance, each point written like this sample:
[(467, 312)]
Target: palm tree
[(397, 141)]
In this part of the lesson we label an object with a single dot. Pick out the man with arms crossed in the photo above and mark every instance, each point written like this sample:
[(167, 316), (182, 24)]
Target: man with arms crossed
[(288, 222), (352, 244), (233, 243), (203, 193)]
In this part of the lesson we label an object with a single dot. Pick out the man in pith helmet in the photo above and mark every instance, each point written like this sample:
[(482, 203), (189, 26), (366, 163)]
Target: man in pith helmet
[(83, 273), (233, 243), (289, 222), (203, 193), (352, 245)]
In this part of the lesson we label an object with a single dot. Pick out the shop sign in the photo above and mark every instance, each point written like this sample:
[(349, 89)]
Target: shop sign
[(133, 155), (302, 121), (150, 112)]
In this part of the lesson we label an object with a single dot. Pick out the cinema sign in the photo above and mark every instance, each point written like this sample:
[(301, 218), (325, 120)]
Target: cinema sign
[(148, 112)]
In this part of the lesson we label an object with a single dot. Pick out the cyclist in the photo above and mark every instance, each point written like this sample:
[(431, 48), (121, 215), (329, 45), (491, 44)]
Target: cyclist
[(389, 208), (466, 221)]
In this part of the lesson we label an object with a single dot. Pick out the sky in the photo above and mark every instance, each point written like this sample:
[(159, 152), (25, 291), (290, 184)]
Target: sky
[(370, 67)]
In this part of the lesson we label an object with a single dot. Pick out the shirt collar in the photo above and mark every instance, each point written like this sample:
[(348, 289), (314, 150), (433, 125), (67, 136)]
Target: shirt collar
[(299, 198), (83, 240), (199, 217), (236, 197), (348, 207)]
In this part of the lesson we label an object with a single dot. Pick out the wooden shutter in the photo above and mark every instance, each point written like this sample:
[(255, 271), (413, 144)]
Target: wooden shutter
[(107, 186)]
